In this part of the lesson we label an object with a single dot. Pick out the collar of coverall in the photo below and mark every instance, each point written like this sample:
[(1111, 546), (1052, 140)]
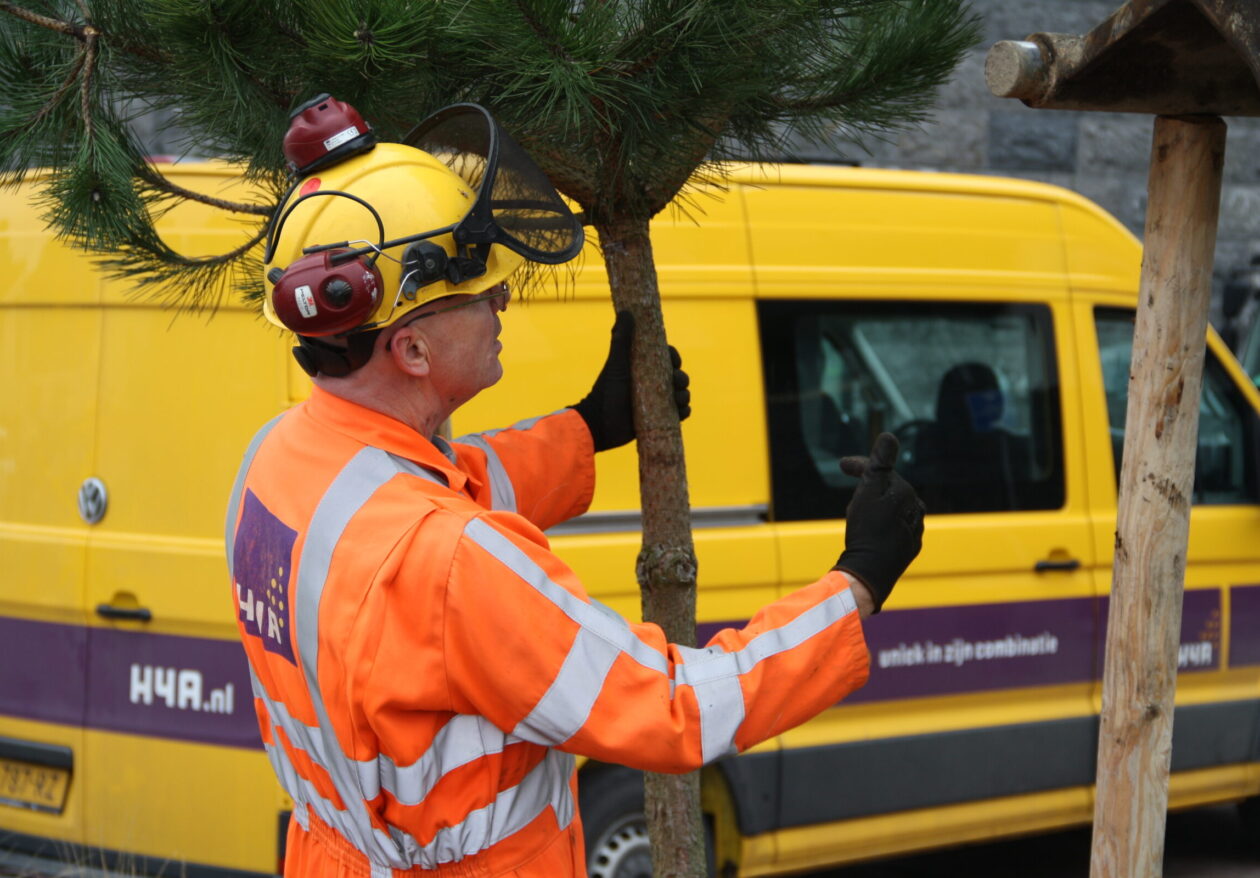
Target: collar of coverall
[(381, 431)]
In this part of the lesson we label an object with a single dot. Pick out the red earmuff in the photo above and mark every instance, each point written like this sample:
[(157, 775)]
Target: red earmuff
[(324, 131), (315, 296)]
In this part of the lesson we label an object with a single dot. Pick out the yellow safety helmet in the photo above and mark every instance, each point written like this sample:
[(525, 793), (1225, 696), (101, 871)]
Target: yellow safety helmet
[(375, 230), (395, 191)]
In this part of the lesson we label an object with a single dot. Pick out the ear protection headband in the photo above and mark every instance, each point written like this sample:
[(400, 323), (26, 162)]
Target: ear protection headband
[(335, 288), (322, 294), (331, 289)]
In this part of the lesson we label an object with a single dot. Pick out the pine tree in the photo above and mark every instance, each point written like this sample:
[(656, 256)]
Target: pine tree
[(622, 102)]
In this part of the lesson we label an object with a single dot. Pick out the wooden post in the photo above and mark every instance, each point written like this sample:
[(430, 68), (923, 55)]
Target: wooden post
[(1161, 431)]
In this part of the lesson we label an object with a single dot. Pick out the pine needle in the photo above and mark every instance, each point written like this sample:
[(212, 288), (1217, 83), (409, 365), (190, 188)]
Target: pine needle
[(624, 103)]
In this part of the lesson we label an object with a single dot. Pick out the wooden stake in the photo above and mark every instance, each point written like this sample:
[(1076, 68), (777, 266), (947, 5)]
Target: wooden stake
[(1161, 431)]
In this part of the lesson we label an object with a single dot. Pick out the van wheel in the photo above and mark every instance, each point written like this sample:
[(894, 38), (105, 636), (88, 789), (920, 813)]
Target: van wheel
[(1249, 814), (611, 801), (613, 825)]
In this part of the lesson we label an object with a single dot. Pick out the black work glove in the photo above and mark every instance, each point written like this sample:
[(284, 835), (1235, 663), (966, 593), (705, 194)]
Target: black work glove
[(607, 408), (884, 526)]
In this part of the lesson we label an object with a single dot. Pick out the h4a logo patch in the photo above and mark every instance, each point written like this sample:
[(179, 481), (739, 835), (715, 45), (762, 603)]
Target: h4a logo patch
[(262, 559)]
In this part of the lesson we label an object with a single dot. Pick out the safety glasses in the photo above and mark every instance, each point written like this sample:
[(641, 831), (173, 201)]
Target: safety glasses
[(498, 291)]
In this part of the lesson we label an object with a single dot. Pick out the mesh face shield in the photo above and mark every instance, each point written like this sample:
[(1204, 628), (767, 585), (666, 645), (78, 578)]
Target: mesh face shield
[(483, 205), (516, 205)]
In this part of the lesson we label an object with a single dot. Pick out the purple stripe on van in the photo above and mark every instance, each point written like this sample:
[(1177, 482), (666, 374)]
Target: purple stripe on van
[(1201, 625), (44, 674), (1200, 645), (982, 647), (188, 688), (946, 650), (1244, 625)]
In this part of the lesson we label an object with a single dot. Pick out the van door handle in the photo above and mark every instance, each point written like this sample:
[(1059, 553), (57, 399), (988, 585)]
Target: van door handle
[(1064, 564), (135, 614)]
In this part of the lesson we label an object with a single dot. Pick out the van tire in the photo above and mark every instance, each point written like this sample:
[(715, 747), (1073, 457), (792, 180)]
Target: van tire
[(614, 827), (611, 802), (1249, 817)]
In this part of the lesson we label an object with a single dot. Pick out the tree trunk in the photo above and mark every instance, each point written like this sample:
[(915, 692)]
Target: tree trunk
[(666, 568), (1156, 479)]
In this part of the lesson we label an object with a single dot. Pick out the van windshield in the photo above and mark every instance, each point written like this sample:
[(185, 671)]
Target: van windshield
[(971, 390)]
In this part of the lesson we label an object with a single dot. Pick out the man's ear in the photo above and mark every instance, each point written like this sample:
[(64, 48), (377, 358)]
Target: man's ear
[(409, 350)]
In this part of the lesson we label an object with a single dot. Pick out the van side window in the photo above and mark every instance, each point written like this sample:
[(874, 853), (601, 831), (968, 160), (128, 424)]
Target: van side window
[(1224, 470), (971, 390)]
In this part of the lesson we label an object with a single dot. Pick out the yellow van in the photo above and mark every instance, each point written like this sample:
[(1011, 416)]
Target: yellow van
[(987, 322)]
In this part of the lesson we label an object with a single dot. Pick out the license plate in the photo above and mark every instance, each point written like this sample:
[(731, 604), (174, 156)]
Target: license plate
[(37, 787)]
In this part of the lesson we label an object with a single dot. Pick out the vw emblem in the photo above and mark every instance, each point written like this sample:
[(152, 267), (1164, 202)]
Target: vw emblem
[(92, 500)]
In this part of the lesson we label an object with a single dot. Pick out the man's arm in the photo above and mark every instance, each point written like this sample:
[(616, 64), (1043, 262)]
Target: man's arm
[(513, 637), (884, 523), (862, 594), (527, 648), (607, 408), (542, 468)]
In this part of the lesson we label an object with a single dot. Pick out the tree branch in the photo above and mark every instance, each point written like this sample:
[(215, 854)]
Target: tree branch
[(223, 258), (91, 35), (644, 64), (125, 264), (79, 33), (44, 21), (155, 179), (693, 152), (814, 105), (61, 90), (545, 36)]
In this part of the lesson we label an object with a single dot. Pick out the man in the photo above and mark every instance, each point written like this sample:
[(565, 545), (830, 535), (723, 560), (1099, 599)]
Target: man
[(424, 667)]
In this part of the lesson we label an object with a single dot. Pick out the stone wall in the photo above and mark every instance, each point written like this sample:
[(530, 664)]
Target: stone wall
[(1103, 156)]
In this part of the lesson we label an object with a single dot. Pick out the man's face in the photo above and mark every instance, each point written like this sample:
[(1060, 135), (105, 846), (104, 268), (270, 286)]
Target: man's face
[(464, 346)]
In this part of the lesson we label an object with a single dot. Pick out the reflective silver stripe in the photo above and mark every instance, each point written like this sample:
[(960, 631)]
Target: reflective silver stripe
[(502, 492), (610, 628), (713, 674), (721, 702), (567, 703), (546, 785), (303, 737), (238, 490), (302, 791), (602, 637), (285, 773), (415, 469), (463, 740), (444, 446), (527, 424), (365, 473), (632, 519)]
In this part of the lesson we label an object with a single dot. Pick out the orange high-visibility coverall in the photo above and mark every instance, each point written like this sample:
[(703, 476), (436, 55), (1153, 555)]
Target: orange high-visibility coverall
[(424, 666)]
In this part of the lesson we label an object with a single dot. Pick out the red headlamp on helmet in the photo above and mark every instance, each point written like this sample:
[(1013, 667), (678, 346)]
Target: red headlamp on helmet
[(324, 131)]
